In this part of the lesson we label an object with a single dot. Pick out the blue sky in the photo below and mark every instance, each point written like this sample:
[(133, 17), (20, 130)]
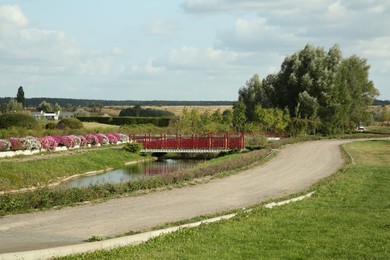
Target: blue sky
[(176, 49)]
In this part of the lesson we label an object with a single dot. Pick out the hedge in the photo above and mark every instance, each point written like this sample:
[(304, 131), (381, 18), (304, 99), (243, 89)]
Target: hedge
[(97, 119)]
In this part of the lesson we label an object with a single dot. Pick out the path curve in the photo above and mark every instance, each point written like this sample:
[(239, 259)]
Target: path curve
[(294, 169)]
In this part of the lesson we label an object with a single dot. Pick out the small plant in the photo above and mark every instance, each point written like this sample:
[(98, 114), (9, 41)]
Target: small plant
[(133, 147), (96, 238)]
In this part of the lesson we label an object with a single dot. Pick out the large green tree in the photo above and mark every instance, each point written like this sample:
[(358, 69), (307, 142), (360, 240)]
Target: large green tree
[(320, 88)]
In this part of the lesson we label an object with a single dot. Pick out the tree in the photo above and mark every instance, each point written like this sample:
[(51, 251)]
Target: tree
[(13, 106), (239, 117), (20, 96), (45, 107), (321, 90), (227, 117), (81, 113), (57, 107), (264, 117), (253, 94), (216, 116)]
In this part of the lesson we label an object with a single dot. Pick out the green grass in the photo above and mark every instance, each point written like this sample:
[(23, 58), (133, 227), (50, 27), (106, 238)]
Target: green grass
[(347, 218), (16, 174), (95, 125)]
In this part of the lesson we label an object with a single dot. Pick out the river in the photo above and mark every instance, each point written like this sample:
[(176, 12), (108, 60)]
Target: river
[(130, 172)]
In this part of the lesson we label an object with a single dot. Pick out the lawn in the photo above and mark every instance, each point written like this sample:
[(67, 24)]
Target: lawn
[(348, 217), (94, 125)]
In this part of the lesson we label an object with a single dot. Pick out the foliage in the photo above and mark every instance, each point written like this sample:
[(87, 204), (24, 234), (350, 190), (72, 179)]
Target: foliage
[(12, 106), (194, 122), (71, 102), (20, 96), (45, 107), (137, 111), (133, 147), (51, 125), (81, 113), (256, 140), (322, 91), (18, 120), (72, 123), (239, 115), (157, 121)]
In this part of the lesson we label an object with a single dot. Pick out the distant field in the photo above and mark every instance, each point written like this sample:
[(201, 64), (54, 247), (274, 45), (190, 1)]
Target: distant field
[(94, 125), (114, 110)]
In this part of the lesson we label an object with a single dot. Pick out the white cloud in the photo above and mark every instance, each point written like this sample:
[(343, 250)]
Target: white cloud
[(36, 51), (256, 35), (209, 6), (11, 14), (162, 28), (207, 59)]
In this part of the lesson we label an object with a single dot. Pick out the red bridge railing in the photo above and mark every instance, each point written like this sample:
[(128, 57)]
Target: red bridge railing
[(193, 142)]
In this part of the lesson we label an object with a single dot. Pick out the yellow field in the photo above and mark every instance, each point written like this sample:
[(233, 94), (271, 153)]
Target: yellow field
[(177, 110)]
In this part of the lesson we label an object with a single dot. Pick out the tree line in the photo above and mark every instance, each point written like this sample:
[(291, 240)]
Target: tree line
[(66, 102)]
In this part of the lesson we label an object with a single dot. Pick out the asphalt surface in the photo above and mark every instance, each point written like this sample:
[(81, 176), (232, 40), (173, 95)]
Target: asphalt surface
[(294, 169)]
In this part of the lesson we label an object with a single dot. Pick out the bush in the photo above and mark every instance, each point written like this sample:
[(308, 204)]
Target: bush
[(137, 111), (51, 125), (133, 147), (72, 123), (30, 143), (18, 120), (48, 143), (5, 145), (16, 144)]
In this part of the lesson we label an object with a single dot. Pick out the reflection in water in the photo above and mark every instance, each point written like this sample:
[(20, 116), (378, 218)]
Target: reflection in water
[(131, 172)]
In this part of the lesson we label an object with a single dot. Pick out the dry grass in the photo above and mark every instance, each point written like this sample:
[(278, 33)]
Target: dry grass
[(94, 125), (177, 110)]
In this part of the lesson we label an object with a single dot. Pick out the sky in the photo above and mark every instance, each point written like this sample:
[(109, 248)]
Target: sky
[(176, 49)]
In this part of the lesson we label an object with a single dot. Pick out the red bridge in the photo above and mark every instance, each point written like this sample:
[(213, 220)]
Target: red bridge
[(189, 144)]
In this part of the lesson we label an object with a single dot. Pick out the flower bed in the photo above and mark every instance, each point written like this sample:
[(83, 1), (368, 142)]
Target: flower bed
[(30, 144)]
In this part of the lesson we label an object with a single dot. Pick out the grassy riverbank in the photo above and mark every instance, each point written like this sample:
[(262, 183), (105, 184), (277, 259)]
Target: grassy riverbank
[(13, 203), (44, 169), (347, 218)]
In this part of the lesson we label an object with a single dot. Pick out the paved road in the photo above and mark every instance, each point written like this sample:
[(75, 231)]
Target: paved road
[(294, 169)]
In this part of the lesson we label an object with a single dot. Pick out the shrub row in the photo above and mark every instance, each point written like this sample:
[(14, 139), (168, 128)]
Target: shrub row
[(51, 142), (127, 120)]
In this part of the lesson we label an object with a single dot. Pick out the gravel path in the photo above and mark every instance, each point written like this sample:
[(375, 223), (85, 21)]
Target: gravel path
[(294, 169)]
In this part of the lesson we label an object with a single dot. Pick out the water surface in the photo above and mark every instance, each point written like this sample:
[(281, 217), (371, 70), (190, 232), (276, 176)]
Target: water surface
[(131, 172)]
